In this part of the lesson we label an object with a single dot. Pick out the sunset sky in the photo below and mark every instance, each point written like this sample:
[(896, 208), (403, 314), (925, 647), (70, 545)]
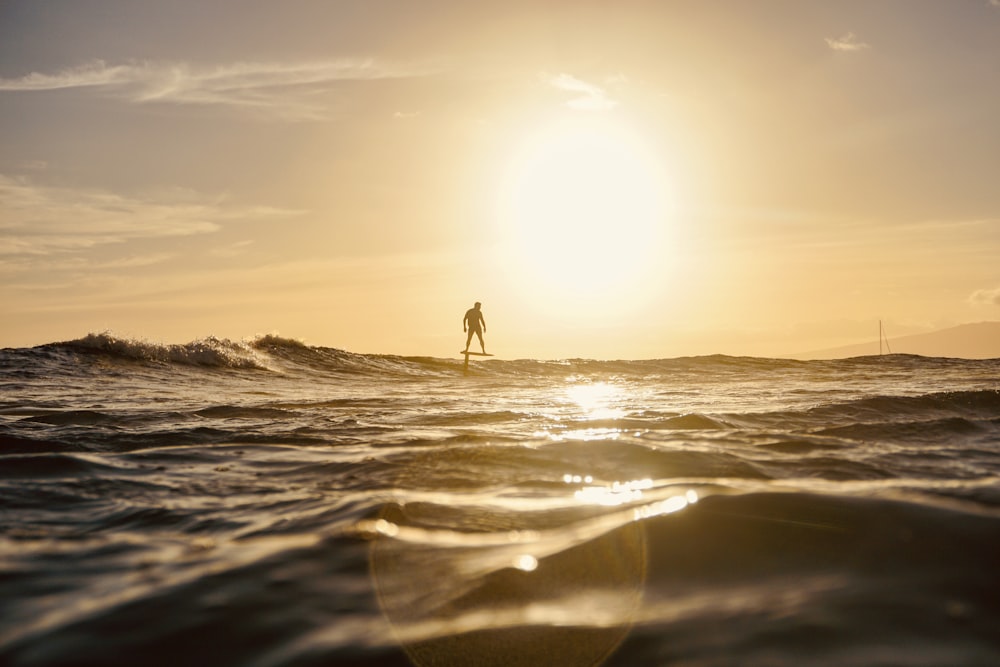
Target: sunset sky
[(610, 179)]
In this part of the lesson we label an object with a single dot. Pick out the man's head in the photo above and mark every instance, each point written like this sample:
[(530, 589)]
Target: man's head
[(477, 305)]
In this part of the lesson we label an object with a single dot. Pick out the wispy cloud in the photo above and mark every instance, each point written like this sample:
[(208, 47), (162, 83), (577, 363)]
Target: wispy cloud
[(586, 96), (287, 91), (232, 250), (986, 297), (71, 267), (847, 42), (38, 221)]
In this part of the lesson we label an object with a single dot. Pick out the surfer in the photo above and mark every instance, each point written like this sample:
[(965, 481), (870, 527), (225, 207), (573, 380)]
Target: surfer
[(474, 323)]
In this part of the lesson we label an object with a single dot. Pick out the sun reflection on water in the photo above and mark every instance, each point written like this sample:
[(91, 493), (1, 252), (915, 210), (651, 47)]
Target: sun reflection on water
[(597, 399), (629, 492), (451, 593), (616, 493), (526, 562), (587, 404), (667, 506)]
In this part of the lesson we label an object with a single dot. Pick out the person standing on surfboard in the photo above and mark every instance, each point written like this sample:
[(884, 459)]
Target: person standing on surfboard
[(476, 325)]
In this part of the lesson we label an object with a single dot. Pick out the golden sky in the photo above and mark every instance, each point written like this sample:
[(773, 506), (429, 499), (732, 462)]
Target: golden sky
[(633, 179)]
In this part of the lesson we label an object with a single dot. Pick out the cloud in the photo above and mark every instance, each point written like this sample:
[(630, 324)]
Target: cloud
[(77, 264), (846, 42), (232, 250), (38, 221), (587, 96), (986, 297), (288, 90)]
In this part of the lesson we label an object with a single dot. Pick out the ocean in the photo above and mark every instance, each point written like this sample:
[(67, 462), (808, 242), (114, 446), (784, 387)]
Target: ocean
[(269, 503)]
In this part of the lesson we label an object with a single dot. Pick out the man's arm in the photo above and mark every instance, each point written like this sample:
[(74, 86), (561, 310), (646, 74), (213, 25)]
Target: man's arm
[(483, 320)]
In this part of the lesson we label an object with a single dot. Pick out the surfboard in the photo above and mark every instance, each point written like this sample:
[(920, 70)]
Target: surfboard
[(478, 354)]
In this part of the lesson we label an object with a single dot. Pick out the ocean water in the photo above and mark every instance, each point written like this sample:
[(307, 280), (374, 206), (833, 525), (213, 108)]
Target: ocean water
[(269, 503)]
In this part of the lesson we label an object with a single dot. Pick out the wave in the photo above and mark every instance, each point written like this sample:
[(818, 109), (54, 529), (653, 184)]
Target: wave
[(268, 352), (272, 352), (209, 351), (819, 571), (962, 410), (971, 403)]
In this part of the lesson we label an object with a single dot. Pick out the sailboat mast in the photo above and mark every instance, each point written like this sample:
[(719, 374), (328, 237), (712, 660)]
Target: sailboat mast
[(881, 337)]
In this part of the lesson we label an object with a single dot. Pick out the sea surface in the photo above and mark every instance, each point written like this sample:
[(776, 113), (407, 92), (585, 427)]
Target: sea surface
[(269, 503)]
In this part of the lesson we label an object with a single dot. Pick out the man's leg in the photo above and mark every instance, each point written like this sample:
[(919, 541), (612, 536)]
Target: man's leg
[(481, 343), (468, 340)]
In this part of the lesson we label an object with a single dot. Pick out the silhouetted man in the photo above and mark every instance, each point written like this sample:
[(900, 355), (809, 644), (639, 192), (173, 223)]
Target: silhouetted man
[(476, 325)]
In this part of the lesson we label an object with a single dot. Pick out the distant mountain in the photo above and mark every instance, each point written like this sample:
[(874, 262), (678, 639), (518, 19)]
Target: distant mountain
[(966, 341)]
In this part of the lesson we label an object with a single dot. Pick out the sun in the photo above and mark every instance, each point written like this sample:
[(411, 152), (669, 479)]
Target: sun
[(583, 210)]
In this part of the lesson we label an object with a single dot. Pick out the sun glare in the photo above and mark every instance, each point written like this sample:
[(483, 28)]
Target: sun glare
[(583, 210)]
